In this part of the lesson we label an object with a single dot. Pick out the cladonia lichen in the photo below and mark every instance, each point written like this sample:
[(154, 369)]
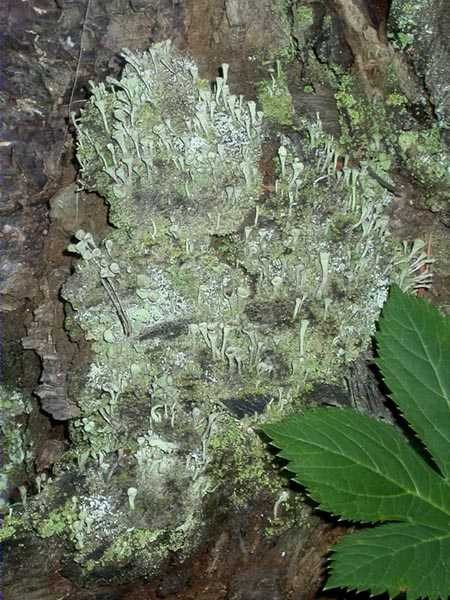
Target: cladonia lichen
[(212, 302), (16, 442)]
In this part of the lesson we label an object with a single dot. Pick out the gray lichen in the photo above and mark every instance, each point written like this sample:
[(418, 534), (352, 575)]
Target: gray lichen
[(210, 295)]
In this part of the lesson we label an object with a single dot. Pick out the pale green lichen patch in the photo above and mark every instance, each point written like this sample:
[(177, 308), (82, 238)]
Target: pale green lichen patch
[(275, 97), (207, 302), (302, 22), (16, 442), (10, 526), (163, 134), (425, 156), (239, 455), (152, 546), (289, 512), (57, 522), (404, 20), (367, 124), (383, 135)]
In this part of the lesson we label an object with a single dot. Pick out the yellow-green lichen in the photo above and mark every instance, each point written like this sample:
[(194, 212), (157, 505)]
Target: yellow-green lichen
[(424, 153), (396, 99), (16, 441), (10, 526), (304, 16), (275, 98), (303, 19), (208, 299), (404, 21), (241, 458), (57, 522), (143, 546)]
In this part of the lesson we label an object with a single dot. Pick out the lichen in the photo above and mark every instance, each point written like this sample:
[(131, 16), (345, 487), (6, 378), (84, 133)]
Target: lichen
[(404, 21), (285, 49), (10, 526), (16, 441), (425, 156), (212, 303), (289, 512), (160, 128), (304, 16), (302, 25), (239, 455), (363, 121), (385, 134), (56, 523), (275, 98)]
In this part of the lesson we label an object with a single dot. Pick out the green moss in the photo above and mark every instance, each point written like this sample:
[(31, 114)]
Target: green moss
[(285, 49), (369, 125), (327, 21), (404, 19), (396, 99), (384, 134), (10, 525), (277, 107), (303, 19), (242, 459), (275, 98), (57, 522), (317, 73), (425, 155), (304, 16), (17, 444)]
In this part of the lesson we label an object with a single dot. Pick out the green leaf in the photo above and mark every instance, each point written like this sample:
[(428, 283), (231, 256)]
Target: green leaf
[(366, 470), (414, 347), (396, 558), (361, 468)]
